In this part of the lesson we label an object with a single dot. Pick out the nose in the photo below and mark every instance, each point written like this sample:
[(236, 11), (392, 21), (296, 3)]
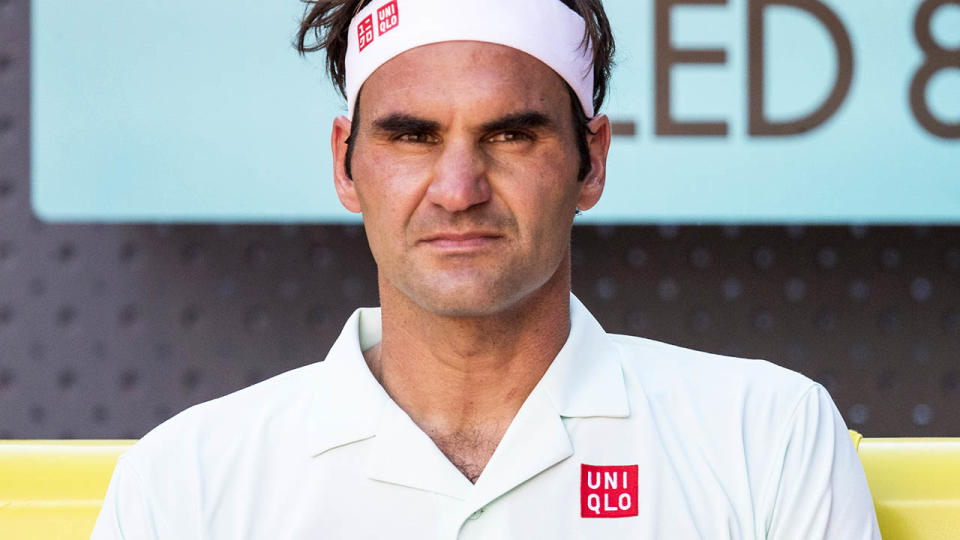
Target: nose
[(459, 177)]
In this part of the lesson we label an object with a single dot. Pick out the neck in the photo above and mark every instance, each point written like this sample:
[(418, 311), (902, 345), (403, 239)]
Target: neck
[(468, 376)]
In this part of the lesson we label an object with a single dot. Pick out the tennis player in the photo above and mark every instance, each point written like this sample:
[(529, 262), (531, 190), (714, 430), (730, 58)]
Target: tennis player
[(482, 400)]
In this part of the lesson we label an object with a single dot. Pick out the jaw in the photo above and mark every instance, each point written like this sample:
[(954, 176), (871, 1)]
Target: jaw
[(464, 288)]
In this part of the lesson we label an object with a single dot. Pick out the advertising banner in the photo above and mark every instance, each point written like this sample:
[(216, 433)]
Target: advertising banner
[(725, 111)]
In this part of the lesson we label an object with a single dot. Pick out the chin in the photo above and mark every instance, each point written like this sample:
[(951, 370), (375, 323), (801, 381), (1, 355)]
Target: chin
[(462, 305), (470, 292), (468, 300)]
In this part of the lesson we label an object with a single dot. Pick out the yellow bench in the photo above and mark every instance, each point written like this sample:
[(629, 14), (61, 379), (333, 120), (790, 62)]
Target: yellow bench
[(915, 484), (54, 489)]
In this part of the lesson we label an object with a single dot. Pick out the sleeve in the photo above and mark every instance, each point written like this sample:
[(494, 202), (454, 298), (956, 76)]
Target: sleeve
[(125, 513), (819, 491)]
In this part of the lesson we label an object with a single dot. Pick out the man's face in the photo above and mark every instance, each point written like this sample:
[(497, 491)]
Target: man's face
[(465, 169)]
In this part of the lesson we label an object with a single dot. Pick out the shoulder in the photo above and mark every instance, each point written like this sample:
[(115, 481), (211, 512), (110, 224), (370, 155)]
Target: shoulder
[(220, 429), (720, 391), (214, 454), (663, 362), (730, 410)]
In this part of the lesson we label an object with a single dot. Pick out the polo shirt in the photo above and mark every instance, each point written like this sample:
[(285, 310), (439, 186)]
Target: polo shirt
[(622, 437)]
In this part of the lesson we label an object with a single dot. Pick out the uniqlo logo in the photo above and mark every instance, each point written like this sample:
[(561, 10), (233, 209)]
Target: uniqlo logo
[(388, 17), (608, 491), (365, 32)]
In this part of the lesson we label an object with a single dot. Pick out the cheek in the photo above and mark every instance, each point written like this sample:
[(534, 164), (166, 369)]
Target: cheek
[(553, 178), (544, 202), (389, 191)]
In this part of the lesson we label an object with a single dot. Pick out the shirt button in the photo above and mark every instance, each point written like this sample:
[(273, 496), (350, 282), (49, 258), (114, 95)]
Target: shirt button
[(476, 514)]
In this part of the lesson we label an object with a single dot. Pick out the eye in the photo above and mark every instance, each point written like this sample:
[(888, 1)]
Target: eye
[(510, 137), (415, 138)]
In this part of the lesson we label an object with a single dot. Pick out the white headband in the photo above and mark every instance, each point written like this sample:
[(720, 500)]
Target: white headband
[(546, 29)]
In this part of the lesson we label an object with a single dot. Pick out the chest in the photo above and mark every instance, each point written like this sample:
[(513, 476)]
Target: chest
[(333, 495), (469, 451), (344, 505)]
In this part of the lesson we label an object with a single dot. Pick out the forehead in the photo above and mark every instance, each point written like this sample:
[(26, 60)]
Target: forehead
[(460, 75)]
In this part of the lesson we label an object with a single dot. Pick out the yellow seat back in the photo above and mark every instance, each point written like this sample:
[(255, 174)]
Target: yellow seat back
[(54, 489), (915, 484)]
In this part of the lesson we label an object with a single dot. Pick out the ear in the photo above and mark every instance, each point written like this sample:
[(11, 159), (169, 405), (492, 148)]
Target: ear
[(598, 141), (346, 189)]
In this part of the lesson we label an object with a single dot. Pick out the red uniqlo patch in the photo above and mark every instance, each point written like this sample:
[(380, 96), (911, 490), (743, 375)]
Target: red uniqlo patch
[(365, 31), (608, 491), (388, 17)]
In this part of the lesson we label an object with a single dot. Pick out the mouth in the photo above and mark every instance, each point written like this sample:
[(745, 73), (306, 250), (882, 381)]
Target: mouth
[(467, 241)]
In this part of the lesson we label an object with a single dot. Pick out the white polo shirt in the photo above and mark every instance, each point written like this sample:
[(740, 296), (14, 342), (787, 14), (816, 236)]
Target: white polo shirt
[(622, 438)]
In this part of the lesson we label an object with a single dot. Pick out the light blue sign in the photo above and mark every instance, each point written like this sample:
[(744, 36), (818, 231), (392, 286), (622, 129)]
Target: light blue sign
[(184, 111)]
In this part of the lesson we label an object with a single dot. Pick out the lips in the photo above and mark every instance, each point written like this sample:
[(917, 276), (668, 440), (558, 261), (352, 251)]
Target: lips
[(461, 240)]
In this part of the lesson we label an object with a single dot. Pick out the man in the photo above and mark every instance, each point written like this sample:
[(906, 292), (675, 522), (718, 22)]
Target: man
[(483, 400)]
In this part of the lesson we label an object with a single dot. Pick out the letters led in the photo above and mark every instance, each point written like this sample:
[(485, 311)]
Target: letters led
[(667, 56), (759, 125)]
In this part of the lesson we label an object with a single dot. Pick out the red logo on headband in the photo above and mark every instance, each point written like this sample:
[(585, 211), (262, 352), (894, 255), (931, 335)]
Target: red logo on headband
[(388, 17), (365, 32)]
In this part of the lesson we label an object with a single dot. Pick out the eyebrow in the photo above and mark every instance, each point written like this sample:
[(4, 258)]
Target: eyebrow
[(405, 123), (520, 120)]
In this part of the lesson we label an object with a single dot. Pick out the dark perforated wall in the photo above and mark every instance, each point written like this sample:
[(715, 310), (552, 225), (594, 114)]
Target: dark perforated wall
[(107, 330)]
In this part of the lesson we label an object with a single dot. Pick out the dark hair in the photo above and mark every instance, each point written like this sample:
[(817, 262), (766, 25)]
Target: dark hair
[(328, 21)]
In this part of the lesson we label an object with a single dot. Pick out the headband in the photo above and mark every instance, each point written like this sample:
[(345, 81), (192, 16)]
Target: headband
[(548, 30)]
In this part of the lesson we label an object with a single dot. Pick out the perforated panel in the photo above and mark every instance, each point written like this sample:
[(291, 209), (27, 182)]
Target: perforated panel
[(107, 330), (871, 313)]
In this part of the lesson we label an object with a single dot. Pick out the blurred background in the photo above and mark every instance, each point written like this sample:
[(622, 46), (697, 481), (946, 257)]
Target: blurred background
[(165, 269)]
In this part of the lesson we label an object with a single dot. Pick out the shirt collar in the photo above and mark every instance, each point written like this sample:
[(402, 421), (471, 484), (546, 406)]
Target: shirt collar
[(586, 377), (348, 400), (584, 380)]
